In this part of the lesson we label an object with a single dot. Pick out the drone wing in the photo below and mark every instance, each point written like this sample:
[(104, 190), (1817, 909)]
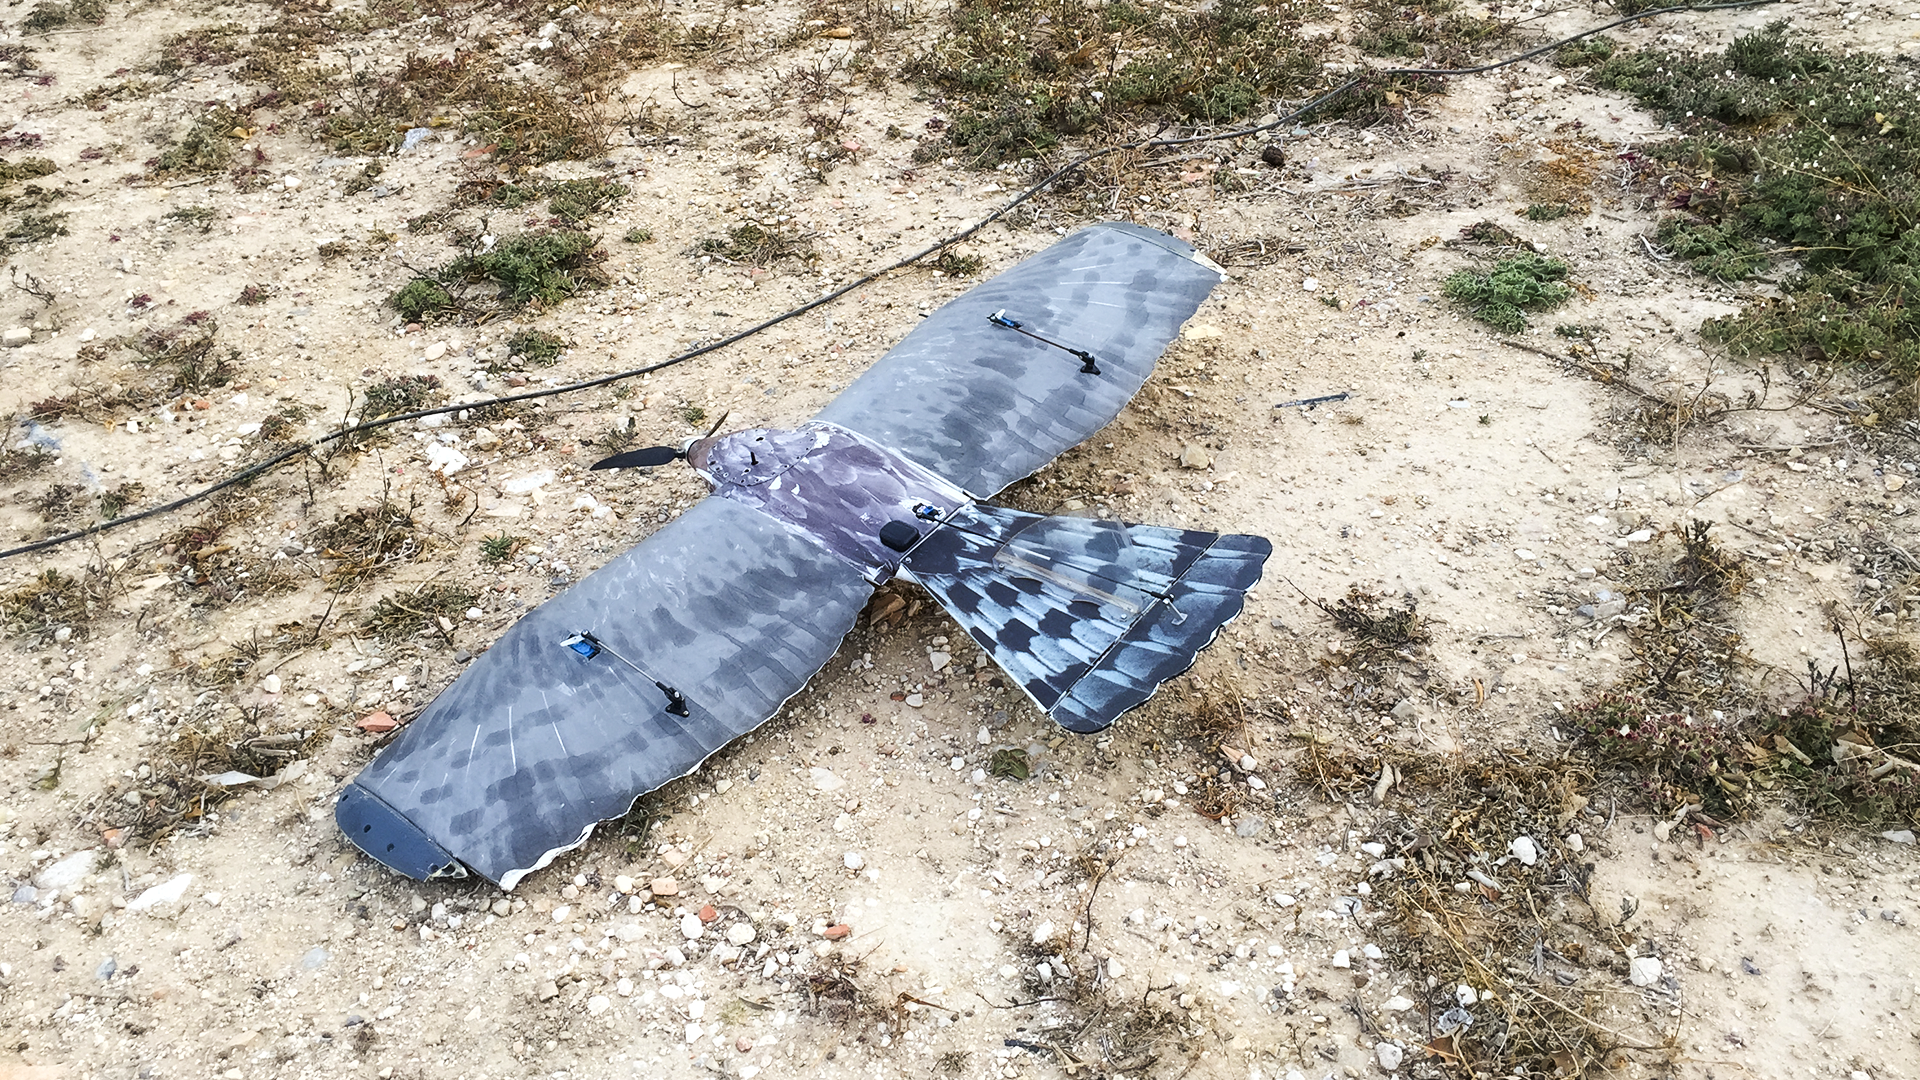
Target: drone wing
[(572, 714), (984, 404)]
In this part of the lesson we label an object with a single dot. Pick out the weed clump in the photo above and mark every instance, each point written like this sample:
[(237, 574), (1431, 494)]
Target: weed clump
[(1021, 77), (47, 16), (528, 270), (500, 547), (206, 147), (53, 600), (756, 245), (1435, 31), (1792, 150), (369, 541), (536, 347), (428, 609), (1502, 296), (404, 394)]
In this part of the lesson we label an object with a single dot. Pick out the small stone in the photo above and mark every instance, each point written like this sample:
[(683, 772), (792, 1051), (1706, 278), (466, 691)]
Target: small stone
[(563, 913), (1284, 900), (743, 1044), (1639, 536), (598, 1004), (1342, 960), (825, 780), (1575, 842), (63, 635), (623, 885), (503, 908), (1524, 849), (1524, 555), (66, 874), (1195, 456), (916, 700), (708, 913), (1398, 1003), (436, 350), (1274, 155), (16, 336), (1372, 952), (1043, 933), (106, 969), (290, 182), (836, 932), (1389, 1055), (664, 886), (1115, 969), (1645, 970), (690, 927), (161, 896), (1465, 995), (377, 723), (741, 933), (1249, 826), (315, 959), (547, 991), (854, 860), (1898, 836), (939, 660), (270, 684)]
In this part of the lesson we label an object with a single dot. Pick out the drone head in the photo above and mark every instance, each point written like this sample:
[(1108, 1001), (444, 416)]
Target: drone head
[(650, 456), (750, 457)]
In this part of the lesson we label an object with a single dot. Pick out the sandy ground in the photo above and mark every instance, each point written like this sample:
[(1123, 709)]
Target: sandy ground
[(1500, 487)]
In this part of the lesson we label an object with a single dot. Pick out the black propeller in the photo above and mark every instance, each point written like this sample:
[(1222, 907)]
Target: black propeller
[(645, 457)]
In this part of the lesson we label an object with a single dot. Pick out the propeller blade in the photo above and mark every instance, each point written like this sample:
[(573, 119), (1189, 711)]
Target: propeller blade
[(645, 457), (717, 423)]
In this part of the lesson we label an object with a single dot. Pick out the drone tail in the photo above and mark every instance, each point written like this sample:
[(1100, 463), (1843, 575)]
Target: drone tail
[(1089, 617)]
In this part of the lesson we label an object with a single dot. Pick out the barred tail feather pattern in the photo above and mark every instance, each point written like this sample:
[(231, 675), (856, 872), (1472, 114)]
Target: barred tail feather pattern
[(1089, 617)]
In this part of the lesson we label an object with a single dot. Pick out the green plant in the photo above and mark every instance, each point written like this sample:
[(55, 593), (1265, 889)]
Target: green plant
[(428, 608), (415, 301), (537, 347), (1788, 148), (1548, 211), (1500, 297), (694, 415), (1585, 53), (206, 147), (500, 547), (1718, 251), (114, 501), (407, 393), (198, 218), (638, 235), (33, 168), (753, 244), (575, 200), (1020, 77)]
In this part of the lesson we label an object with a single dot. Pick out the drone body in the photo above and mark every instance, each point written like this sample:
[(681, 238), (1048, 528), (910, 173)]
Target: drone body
[(698, 634)]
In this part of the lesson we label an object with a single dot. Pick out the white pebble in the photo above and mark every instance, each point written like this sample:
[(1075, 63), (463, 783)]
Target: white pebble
[(1524, 849), (854, 860), (690, 927), (1043, 933)]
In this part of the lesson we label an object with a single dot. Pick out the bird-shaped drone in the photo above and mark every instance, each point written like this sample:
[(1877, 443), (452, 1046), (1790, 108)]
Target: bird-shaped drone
[(699, 633)]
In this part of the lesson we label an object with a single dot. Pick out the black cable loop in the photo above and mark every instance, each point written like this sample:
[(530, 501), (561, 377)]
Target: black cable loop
[(260, 468)]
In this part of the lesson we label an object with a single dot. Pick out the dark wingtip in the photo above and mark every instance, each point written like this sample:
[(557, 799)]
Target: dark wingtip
[(398, 844), (645, 457)]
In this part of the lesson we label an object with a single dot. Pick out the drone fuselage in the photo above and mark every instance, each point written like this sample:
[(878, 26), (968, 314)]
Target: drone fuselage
[(835, 486)]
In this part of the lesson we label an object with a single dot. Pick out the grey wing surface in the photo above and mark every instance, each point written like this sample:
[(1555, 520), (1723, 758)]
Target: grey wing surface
[(536, 742), (984, 405)]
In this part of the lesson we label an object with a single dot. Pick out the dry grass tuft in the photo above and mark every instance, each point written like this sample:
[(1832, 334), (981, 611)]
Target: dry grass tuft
[(54, 600), (371, 540)]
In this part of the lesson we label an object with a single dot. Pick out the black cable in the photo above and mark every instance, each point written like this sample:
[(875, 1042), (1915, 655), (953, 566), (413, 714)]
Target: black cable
[(252, 471)]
